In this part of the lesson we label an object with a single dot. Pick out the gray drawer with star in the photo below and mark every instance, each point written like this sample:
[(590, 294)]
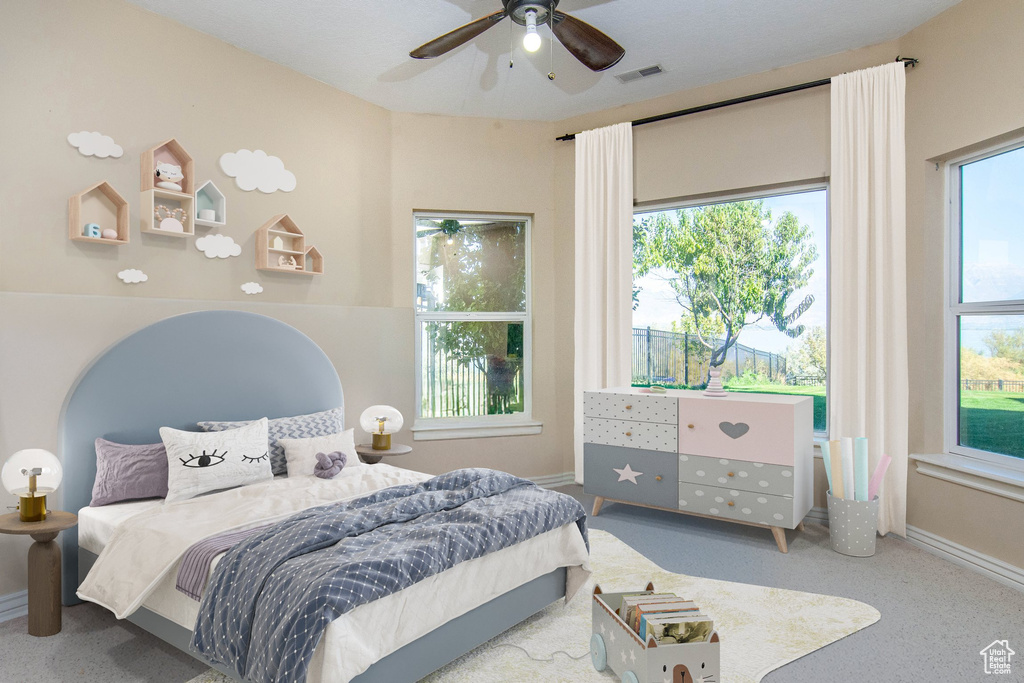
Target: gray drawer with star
[(630, 474), (639, 407), (631, 434), (734, 504), (757, 477)]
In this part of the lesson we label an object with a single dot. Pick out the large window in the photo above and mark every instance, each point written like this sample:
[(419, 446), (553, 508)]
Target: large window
[(737, 283), (472, 305), (985, 337)]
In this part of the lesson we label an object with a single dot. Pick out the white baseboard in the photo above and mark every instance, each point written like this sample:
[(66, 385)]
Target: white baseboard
[(13, 605), (551, 481), (986, 565)]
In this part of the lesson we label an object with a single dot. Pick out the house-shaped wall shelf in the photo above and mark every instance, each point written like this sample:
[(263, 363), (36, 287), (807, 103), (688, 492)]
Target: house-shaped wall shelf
[(100, 204), (167, 202), (210, 198), (281, 247), (314, 261), (169, 151)]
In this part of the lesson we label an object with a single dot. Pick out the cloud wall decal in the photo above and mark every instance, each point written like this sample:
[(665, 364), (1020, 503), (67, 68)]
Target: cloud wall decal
[(132, 276), (256, 170), (218, 246), (252, 288), (95, 144)]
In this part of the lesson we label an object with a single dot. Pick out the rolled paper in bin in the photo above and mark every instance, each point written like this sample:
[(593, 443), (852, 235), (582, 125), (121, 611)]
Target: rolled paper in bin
[(853, 525)]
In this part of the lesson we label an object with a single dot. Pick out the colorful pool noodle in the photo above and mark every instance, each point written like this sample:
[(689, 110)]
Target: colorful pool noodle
[(848, 480), (860, 468), (828, 462), (876, 478)]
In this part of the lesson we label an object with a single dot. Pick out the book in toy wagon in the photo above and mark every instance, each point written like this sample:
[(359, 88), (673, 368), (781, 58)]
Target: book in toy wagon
[(615, 645)]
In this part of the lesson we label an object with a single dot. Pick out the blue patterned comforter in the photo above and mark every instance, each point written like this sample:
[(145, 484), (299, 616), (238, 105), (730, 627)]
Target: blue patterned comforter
[(273, 595)]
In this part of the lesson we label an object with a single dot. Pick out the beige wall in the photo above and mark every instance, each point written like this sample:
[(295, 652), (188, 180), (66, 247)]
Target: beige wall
[(968, 89), (967, 92), (71, 65)]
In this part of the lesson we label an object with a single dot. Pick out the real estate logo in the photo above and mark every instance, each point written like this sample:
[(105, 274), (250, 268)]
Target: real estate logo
[(997, 657)]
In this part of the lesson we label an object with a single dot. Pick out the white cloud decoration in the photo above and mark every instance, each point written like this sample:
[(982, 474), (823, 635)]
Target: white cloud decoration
[(257, 171), (218, 246), (252, 288), (132, 276), (95, 144)]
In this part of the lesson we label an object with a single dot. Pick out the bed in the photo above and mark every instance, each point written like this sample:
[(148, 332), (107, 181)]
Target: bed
[(217, 365)]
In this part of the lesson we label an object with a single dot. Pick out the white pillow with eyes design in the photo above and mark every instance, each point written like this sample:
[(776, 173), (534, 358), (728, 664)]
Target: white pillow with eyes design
[(300, 454), (200, 462)]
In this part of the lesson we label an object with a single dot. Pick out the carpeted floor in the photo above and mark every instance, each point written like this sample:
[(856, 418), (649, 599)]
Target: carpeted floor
[(936, 616)]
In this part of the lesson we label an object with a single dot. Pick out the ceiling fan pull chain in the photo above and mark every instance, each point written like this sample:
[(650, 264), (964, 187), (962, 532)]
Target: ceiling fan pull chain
[(511, 46), (551, 45)]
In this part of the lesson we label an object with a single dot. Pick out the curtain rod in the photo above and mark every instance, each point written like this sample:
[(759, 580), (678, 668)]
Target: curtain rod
[(907, 61)]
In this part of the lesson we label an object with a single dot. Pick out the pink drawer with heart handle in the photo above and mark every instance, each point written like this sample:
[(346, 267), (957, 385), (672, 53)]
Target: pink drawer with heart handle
[(751, 427)]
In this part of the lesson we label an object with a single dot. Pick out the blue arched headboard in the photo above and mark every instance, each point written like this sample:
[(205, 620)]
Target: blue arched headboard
[(208, 365)]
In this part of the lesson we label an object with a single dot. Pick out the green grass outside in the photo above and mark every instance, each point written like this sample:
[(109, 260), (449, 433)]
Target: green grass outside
[(993, 421), (989, 420)]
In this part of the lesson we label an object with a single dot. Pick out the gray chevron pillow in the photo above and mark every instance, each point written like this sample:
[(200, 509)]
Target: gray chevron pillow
[(299, 427)]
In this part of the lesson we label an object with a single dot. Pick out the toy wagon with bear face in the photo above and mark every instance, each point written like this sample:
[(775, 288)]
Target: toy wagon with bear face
[(616, 646)]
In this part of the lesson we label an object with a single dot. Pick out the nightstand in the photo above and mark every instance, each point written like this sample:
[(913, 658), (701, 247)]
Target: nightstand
[(372, 457), (43, 567)]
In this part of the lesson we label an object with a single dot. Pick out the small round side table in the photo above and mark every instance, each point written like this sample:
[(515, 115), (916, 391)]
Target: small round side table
[(43, 567), (372, 457)]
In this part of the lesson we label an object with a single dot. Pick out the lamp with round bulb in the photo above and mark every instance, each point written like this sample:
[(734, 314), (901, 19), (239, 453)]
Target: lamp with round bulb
[(531, 41), (31, 474), (381, 422)]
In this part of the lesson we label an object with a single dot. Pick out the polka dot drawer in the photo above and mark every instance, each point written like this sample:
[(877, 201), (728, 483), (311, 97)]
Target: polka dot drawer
[(737, 474), (743, 506), (638, 407), (631, 434)]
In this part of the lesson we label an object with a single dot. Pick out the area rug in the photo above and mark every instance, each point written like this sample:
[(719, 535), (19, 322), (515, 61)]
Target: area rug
[(761, 628)]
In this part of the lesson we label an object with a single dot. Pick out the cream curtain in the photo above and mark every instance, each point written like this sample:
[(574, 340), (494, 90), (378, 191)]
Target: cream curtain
[(604, 265), (868, 290)]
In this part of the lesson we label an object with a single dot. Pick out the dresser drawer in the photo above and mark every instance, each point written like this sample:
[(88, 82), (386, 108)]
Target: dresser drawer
[(639, 407), (738, 428), (758, 477), (628, 434), (734, 504), (656, 476)]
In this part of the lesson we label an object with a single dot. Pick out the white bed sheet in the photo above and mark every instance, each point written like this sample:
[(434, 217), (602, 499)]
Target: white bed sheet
[(370, 632)]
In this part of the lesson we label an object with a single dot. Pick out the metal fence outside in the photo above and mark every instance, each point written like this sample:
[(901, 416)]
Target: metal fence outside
[(457, 386), (678, 358), (1009, 385)]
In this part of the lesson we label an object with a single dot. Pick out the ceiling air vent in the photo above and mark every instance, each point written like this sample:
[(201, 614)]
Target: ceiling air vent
[(640, 73)]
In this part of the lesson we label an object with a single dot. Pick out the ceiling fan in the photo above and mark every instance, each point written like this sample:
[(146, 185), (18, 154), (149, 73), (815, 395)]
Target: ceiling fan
[(590, 46)]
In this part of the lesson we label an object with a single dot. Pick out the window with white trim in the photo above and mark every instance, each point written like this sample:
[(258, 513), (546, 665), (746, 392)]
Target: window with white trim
[(985, 319), (473, 334)]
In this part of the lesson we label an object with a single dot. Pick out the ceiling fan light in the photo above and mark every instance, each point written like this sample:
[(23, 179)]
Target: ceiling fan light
[(531, 41)]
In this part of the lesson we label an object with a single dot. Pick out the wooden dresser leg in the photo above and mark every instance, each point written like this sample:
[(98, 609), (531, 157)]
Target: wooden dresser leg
[(598, 502), (800, 526), (780, 538)]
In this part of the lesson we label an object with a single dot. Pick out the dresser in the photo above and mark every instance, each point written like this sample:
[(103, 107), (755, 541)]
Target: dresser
[(744, 458)]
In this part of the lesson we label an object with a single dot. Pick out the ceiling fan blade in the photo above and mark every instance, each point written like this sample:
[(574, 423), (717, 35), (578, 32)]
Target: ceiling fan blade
[(453, 39), (596, 50)]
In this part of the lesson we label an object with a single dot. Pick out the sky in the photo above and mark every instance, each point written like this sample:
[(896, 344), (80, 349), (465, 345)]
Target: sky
[(658, 307), (992, 215)]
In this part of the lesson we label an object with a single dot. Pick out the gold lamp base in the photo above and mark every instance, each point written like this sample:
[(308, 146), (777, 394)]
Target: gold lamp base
[(32, 508), (381, 442)]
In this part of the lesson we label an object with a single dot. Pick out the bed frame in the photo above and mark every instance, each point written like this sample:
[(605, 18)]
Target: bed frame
[(230, 365)]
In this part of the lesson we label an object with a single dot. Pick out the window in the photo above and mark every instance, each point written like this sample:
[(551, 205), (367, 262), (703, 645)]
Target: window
[(473, 336), (985, 323), (738, 282)]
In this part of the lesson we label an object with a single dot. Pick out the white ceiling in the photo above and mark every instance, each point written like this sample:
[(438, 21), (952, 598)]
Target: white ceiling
[(362, 46)]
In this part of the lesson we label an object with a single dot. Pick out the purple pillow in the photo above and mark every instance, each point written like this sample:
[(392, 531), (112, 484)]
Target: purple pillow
[(127, 472)]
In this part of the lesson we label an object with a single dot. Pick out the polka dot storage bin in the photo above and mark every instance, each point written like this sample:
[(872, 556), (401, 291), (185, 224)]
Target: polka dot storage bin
[(852, 525)]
